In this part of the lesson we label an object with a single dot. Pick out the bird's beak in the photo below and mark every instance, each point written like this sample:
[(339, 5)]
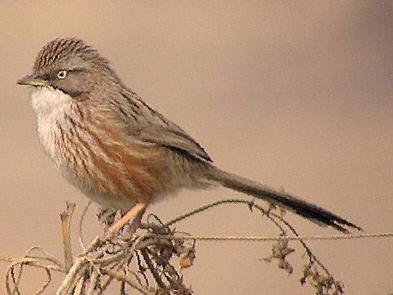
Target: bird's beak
[(32, 80)]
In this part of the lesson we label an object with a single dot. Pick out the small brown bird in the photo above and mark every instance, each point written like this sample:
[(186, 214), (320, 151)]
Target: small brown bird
[(119, 151)]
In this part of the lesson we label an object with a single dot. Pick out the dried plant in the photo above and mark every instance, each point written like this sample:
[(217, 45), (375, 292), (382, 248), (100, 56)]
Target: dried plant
[(149, 259)]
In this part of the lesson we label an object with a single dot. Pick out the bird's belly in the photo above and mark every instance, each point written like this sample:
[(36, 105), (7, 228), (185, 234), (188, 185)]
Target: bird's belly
[(92, 162), (98, 193), (102, 162), (111, 173), (104, 176)]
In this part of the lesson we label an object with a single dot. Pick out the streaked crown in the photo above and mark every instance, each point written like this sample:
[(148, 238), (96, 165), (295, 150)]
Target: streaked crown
[(62, 49)]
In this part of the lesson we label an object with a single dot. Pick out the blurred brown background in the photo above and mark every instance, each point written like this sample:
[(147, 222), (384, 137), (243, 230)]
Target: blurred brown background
[(296, 94)]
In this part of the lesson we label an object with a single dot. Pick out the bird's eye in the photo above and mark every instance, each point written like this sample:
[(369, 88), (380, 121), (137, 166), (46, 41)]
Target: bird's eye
[(61, 74)]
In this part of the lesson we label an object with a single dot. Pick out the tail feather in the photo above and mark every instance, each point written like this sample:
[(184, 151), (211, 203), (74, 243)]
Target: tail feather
[(301, 207)]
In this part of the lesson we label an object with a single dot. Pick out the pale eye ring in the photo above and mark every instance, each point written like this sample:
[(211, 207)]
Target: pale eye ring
[(61, 74)]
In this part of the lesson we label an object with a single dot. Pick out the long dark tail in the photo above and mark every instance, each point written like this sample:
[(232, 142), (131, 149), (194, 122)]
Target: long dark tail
[(303, 208)]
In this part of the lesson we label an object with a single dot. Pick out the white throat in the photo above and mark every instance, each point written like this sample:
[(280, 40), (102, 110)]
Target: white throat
[(51, 106), (46, 100)]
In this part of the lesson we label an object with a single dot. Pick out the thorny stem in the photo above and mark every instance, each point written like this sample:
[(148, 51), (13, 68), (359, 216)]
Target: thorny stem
[(107, 259), (270, 215), (152, 269), (122, 278)]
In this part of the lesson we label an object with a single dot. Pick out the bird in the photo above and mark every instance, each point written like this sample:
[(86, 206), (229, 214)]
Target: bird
[(119, 151)]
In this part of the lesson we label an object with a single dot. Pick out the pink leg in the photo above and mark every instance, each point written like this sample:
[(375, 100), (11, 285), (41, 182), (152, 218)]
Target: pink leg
[(138, 209)]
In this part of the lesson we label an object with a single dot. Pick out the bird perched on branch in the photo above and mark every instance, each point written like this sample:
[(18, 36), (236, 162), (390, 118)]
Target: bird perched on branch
[(118, 150)]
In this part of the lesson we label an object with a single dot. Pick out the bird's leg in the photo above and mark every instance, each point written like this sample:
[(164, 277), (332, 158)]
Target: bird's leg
[(135, 213), (137, 222)]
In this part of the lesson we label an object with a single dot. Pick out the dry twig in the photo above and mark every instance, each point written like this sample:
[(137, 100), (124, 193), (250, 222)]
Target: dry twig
[(65, 217), (150, 259)]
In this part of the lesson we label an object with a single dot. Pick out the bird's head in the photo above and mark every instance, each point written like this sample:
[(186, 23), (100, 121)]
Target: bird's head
[(69, 65)]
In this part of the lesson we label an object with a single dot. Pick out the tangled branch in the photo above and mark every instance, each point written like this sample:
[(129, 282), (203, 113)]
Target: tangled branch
[(149, 260)]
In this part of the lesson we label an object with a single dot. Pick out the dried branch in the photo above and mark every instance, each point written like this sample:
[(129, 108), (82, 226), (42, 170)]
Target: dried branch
[(65, 217), (149, 259)]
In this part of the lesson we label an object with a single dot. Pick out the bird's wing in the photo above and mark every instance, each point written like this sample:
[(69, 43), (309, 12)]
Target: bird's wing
[(173, 139), (147, 125)]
